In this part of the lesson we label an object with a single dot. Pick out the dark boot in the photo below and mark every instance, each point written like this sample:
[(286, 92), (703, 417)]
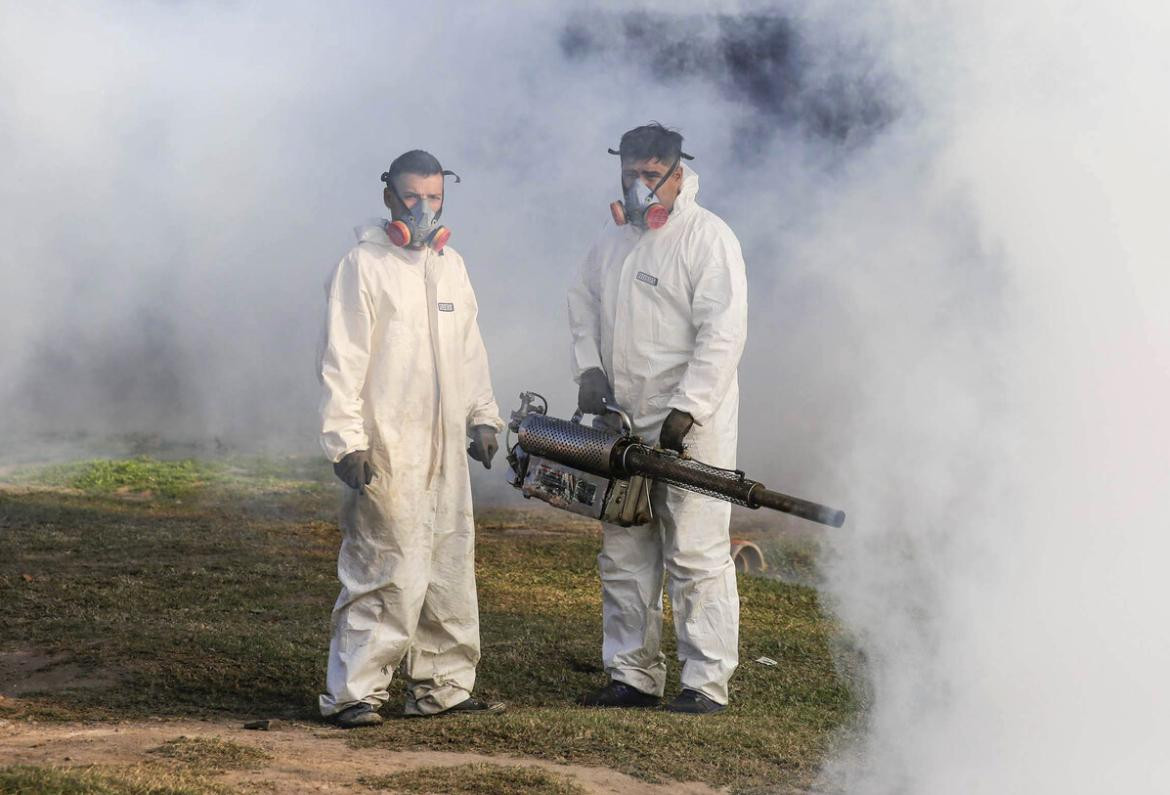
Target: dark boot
[(692, 702), (619, 694), (360, 714), (473, 706), (468, 706)]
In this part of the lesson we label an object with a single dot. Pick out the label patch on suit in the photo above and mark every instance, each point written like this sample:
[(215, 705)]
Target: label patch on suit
[(646, 277), (446, 307)]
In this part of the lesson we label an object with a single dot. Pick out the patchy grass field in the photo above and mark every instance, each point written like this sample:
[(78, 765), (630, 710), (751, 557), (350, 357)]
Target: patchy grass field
[(126, 780), (211, 753), (144, 589), (475, 779)]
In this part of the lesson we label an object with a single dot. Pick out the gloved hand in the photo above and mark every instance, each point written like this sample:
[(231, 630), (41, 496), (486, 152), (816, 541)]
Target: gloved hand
[(355, 470), (483, 444), (676, 426), (594, 390)]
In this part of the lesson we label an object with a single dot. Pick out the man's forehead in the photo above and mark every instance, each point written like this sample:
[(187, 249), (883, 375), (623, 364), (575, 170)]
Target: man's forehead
[(647, 164), (429, 183)]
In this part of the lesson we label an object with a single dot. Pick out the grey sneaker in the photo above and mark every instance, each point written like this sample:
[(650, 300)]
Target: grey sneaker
[(360, 714), (692, 702), (474, 706)]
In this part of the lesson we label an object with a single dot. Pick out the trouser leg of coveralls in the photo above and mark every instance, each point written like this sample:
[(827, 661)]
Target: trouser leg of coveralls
[(702, 587), (630, 565), (383, 566), (440, 666)]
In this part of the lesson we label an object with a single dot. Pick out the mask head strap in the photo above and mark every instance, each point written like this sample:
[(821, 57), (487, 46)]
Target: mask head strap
[(393, 189), (681, 157)]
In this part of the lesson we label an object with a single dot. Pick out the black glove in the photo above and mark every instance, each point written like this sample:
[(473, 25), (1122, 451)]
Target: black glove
[(355, 470), (676, 426), (483, 445), (594, 392)]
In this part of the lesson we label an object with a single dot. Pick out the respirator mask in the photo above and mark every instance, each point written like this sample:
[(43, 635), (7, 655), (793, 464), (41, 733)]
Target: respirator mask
[(417, 226), (641, 206)]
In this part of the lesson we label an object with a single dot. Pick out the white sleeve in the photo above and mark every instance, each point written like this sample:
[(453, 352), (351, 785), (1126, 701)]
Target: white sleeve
[(719, 314), (345, 359), (481, 402), (585, 317)]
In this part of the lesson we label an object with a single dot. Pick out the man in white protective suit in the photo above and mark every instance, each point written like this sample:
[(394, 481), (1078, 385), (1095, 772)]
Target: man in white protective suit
[(658, 316), (406, 383)]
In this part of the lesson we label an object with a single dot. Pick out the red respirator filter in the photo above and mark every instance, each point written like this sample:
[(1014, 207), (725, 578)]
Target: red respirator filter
[(656, 216), (399, 233)]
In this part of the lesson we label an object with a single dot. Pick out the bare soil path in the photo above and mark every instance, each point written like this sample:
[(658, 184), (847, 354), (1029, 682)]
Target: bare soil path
[(304, 757)]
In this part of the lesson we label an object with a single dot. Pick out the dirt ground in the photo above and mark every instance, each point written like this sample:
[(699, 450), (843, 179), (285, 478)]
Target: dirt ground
[(137, 623), (305, 757)]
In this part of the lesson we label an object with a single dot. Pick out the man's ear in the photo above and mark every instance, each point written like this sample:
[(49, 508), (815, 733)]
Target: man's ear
[(388, 198)]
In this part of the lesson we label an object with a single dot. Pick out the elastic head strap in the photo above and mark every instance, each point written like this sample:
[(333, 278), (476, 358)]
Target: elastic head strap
[(390, 183), (394, 189), (682, 155), (667, 175)]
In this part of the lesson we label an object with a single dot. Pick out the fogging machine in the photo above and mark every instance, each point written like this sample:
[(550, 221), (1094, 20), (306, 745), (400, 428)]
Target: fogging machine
[(606, 473)]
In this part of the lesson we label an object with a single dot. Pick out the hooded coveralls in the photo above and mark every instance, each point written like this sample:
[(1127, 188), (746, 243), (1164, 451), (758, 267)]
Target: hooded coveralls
[(664, 313), (405, 375)]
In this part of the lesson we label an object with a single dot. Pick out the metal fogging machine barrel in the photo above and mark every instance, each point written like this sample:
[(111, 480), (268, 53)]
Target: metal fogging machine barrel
[(599, 472)]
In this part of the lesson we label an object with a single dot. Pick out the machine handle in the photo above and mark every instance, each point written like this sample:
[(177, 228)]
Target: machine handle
[(627, 426)]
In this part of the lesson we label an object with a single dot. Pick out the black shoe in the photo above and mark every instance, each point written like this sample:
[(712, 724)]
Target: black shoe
[(475, 707), (619, 694), (360, 714), (692, 702)]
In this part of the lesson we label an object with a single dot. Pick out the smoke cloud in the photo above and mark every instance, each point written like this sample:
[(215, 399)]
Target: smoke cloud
[(953, 223), (1001, 579)]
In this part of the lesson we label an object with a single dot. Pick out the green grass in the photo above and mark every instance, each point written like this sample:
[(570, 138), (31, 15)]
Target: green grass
[(142, 476), (136, 780), (218, 605), (476, 779), (792, 557), (146, 477)]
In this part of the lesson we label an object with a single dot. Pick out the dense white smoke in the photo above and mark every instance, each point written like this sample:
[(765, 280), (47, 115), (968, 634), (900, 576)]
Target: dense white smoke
[(1010, 475), (181, 179), (952, 218)]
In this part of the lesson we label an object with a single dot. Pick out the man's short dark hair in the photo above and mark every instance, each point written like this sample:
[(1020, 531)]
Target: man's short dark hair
[(416, 161), (651, 141)]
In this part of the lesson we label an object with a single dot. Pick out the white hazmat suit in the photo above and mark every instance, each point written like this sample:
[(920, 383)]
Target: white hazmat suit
[(405, 375), (664, 313)]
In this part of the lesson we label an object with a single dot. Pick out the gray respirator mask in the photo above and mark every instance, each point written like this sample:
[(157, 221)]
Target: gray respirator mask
[(641, 207), (422, 220), (419, 226)]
